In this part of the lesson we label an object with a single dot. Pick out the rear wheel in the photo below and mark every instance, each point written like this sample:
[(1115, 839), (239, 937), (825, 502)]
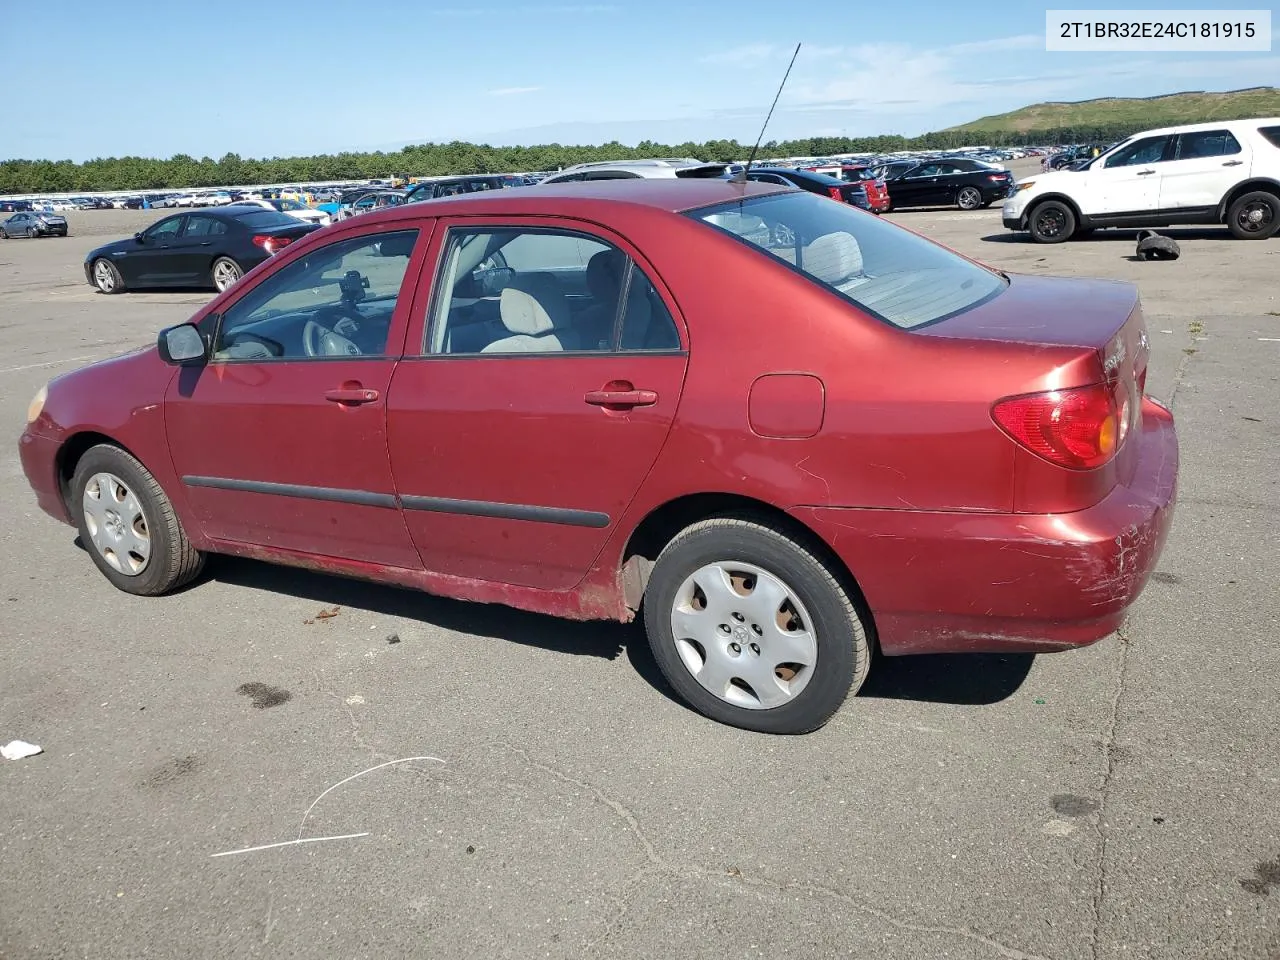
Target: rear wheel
[(752, 628), (106, 277), (32, 233), (128, 525), (3, 235), (969, 198), (1051, 222), (1255, 216), (225, 272)]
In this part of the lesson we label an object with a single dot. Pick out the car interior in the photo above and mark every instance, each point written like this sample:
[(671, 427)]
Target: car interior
[(546, 291), (336, 302)]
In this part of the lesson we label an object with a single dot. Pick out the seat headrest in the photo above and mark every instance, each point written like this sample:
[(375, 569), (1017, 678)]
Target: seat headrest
[(604, 273), (547, 291), (522, 313), (398, 244), (833, 257)]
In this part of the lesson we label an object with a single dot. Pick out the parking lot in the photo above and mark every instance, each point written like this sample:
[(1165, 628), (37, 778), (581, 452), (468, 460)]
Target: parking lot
[(1117, 801)]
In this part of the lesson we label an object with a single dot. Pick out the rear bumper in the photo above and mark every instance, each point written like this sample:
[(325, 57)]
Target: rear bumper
[(39, 456), (982, 583)]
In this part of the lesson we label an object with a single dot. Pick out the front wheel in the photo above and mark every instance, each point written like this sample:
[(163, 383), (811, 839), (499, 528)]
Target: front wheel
[(1255, 216), (3, 235), (225, 273), (752, 628), (106, 276), (969, 198), (32, 233), (128, 525), (1051, 222)]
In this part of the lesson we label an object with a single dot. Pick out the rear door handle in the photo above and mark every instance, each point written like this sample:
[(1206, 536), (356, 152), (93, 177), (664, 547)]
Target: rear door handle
[(351, 396), (624, 398), (1145, 173), (1233, 163)]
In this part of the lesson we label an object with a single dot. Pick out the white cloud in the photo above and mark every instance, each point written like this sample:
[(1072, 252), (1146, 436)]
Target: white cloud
[(512, 91), (1023, 41)]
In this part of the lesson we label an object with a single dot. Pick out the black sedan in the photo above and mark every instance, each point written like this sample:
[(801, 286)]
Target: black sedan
[(211, 248), (34, 224), (836, 189), (942, 182)]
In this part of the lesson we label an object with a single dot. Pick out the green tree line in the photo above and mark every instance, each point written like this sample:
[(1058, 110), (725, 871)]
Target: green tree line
[(442, 159)]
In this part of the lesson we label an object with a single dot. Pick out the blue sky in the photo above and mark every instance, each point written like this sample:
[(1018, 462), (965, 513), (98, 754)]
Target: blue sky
[(288, 77)]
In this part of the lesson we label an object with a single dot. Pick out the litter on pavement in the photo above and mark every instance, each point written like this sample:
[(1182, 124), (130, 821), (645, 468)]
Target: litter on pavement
[(19, 749)]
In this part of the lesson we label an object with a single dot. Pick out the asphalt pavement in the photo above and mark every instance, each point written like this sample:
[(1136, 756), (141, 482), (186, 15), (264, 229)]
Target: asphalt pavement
[(1115, 802)]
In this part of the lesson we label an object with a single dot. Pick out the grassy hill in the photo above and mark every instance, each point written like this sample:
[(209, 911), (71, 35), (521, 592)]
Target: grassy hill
[(1138, 112)]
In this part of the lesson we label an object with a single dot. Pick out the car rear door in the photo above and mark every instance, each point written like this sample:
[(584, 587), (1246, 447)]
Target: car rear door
[(280, 440), (1206, 164), (524, 428), (192, 251)]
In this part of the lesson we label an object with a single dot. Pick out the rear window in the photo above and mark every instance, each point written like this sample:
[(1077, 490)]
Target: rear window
[(890, 273), (260, 219), (1272, 134)]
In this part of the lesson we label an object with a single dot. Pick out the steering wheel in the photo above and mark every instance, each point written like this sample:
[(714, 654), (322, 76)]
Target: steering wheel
[(321, 340)]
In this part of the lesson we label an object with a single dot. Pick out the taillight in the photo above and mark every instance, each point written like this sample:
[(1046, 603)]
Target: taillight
[(1080, 428), (998, 177), (271, 244), (834, 193)]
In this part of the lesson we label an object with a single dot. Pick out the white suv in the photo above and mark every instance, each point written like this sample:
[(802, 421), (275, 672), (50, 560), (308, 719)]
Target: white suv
[(1226, 172), (638, 169)]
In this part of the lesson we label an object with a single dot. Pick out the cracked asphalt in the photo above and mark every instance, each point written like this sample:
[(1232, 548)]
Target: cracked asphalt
[(1115, 802)]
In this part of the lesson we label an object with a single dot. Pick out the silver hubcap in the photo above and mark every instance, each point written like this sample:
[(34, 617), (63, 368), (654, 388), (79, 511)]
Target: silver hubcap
[(102, 274), (116, 524), (744, 635), (969, 198), (225, 274)]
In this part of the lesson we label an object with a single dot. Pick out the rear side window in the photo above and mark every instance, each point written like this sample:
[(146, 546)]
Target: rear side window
[(1207, 143), (892, 274), (1272, 134)]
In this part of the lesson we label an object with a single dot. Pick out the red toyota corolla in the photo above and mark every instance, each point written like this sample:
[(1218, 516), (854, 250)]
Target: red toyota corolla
[(787, 431)]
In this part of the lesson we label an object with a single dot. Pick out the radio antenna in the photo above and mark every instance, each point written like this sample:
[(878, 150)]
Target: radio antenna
[(741, 176)]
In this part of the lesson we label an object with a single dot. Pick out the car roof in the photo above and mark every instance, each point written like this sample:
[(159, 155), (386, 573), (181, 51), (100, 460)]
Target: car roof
[(669, 194), (1254, 122)]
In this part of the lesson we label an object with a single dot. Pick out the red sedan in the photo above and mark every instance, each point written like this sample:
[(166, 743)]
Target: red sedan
[(782, 430)]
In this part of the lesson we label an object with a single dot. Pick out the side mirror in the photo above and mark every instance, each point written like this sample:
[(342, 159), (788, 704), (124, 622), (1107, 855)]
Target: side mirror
[(182, 344), (139, 237)]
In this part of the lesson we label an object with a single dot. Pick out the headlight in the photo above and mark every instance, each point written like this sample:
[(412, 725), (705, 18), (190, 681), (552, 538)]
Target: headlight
[(1025, 185), (36, 407)]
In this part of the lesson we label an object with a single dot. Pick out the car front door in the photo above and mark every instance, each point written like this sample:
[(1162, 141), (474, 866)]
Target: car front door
[(524, 429), (280, 440), (1206, 164), (148, 261), (1127, 181), (916, 187)]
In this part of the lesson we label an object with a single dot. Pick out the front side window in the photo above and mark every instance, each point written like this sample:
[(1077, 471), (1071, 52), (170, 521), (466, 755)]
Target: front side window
[(891, 273), (533, 290), (1144, 151), (1207, 143), (165, 229), (337, 301)]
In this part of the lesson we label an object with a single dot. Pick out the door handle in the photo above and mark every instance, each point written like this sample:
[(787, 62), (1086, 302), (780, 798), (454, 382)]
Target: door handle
[(1233, 163), (351, 395), (206, 243), (621, 396), (1145, 173)]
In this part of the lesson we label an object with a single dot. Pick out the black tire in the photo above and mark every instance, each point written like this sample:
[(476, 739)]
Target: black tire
[(969, 198), (117, 281), (224, 264), (1254, 216), (843, 650), (33, 233), (3, 235), (1051, 221), (173, 561)]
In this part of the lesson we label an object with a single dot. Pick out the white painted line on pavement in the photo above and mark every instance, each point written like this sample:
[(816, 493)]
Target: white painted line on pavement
[(287, 843), (49, 363)]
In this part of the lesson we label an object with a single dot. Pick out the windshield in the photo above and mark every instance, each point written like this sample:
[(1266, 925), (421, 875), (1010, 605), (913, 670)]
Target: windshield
[(891, 273)]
